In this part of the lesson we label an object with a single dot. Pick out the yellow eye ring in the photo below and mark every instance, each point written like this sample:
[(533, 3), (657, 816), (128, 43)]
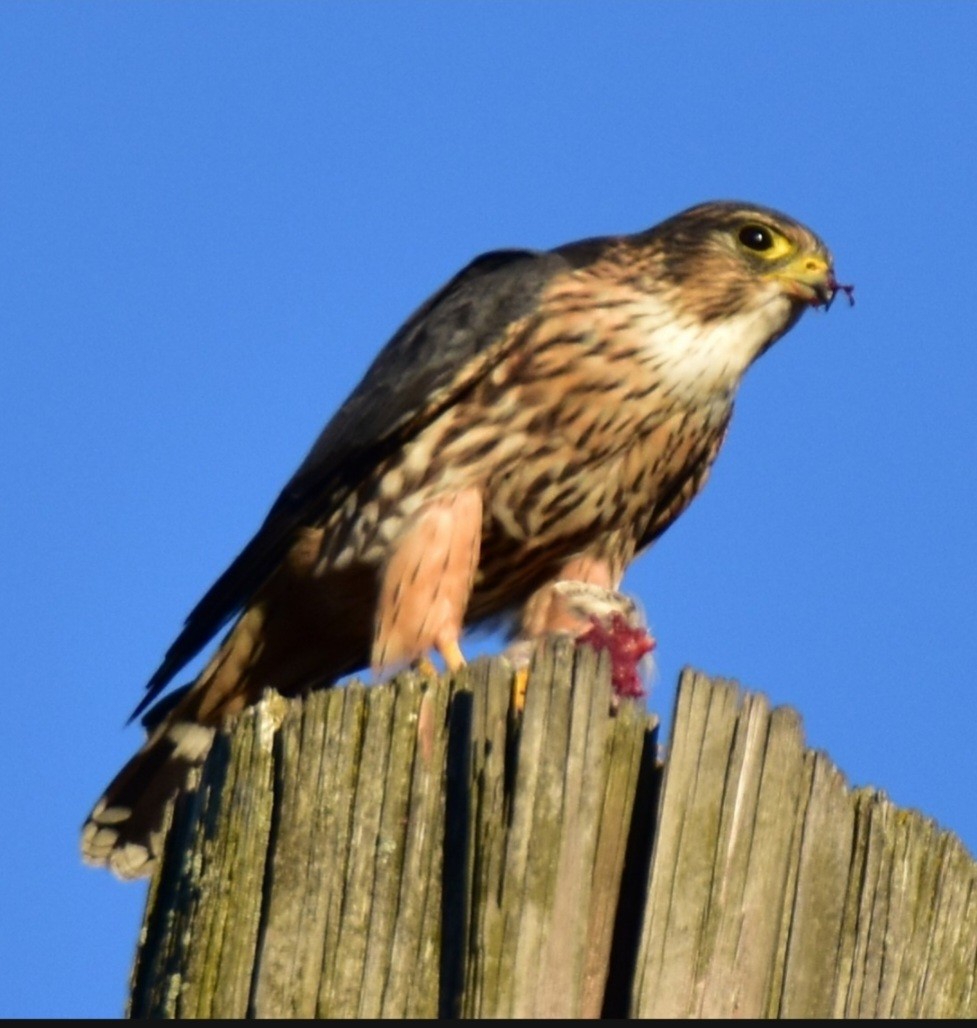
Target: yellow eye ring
[(764, 241)]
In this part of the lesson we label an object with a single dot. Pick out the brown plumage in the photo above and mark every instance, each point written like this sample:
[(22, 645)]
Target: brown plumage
[(542, 418)]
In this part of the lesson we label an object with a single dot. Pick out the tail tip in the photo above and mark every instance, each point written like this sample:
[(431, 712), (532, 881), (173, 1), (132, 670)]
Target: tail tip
[(102, 844), (126, 829)]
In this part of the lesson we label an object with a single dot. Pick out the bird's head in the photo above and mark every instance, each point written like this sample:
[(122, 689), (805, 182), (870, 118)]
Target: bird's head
[(729, 257), (730, 278)]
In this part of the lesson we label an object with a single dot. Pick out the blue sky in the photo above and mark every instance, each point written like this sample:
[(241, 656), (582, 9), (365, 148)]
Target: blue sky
[(213, 215)]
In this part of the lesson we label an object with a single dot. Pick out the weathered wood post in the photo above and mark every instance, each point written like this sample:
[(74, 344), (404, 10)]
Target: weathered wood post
[(411, 849), (778, 891), (417, 849)]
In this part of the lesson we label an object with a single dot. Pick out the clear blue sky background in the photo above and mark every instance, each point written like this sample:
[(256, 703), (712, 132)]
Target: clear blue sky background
[(213, 215)]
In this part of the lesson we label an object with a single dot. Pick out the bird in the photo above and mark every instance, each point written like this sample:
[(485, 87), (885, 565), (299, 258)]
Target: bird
[(540, 420)]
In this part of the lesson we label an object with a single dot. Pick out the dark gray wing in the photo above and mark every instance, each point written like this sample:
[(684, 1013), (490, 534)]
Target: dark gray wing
[(446, 346)]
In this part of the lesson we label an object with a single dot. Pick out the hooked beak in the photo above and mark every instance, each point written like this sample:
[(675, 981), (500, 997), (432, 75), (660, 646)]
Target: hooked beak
[(810, 278)]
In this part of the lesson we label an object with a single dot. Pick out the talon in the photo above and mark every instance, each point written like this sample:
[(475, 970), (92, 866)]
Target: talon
[(453, 656), (520, 680)]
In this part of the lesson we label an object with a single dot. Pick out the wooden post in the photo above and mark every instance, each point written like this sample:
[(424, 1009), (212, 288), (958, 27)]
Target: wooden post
[(416, 849), (406, 850), (778, 891)]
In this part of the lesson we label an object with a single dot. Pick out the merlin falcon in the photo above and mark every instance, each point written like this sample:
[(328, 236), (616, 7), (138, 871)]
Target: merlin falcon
[(539, 421)]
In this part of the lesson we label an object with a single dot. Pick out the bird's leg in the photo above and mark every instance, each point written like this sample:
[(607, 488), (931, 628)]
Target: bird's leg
[(427, 582), (451, 652)]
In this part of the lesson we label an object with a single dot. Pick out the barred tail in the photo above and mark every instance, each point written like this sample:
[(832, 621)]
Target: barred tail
[(124, 831)]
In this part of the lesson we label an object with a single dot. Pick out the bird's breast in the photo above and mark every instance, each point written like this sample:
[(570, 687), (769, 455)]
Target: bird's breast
[(591, 426), (579, 434)]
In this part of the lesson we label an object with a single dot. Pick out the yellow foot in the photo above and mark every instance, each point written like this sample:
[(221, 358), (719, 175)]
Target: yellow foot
[(453, 656), (519, 682)]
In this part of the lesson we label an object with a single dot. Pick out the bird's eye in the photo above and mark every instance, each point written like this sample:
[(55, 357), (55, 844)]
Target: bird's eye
[(756, 237)]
